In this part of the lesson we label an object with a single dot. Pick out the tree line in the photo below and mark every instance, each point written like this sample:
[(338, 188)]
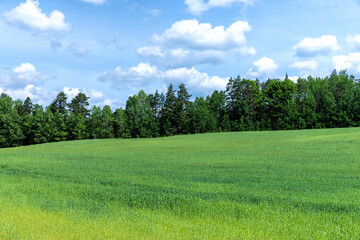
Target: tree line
[(245, 105)]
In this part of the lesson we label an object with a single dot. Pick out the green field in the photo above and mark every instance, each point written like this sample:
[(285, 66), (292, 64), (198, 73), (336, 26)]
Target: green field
[(250, 185)]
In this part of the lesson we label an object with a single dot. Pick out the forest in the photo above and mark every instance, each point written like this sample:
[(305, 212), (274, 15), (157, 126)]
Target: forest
[(245, 105)]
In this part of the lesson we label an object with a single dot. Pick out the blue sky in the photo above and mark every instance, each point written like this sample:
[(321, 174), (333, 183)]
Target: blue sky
[(111, 49)]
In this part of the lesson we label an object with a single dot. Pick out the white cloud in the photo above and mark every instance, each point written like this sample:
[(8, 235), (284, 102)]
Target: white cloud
[(140, 75), (196, 80), (198, 6), (294, 79), (311, 65), (187, 43), (246, 51), (24, 75), (310, 47), (179, 57), (263, 67), (100, 99), (24, 68), (37, 95), (354, 41), (96, 2), (30, 15), (349, 62), (151, 51), (144, 73), (195, 35), (72, 92), (96, 97), (96, 94)]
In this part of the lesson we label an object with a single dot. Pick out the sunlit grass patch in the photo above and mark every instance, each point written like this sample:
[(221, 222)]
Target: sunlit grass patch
[(251, 185)]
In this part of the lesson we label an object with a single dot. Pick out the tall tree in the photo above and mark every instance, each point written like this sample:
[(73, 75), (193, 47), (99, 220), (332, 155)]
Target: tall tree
[(11, 134), (79, 105), (107, 128), (121, 130), (40, 126), (279, 103), (59, 128), (139, 116), (59, 104), (76, 125), (27, 108), (168, 113), (181, 109), (202, 120), (94, 123)]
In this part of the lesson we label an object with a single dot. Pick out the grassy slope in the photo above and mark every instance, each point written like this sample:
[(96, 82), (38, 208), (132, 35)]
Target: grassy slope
[(273, 185)]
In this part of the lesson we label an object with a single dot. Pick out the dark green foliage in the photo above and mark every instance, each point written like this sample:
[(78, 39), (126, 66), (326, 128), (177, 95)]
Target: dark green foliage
[(243, 100), (59, 104), (119, 124), (94, 123), (11, 134), (168, 114), (26, 109), (278, 102), (100, 123), (139, 116), (59, 128), (40, 127), (76, 124), (79, 105), (246, 105), (202, 120), (181, 109), (107, 128)]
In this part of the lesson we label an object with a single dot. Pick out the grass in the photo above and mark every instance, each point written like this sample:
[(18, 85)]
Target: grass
[(250, 185)]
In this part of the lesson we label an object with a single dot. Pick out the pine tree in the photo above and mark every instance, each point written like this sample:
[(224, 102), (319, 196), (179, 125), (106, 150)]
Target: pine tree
[(181, 111), (59, 104), (168, 114), (79, 105)]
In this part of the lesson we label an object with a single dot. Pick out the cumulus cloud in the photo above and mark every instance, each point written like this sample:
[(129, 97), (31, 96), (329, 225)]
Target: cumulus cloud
[(294, 79), (96, 97), (311, 65), (246, 51), (72, 92), (180, 57), (310, 47), (263, 67), (188, 42), (140, 75), (37, 94), (196, 80), (25, 81), (151, 51), (196, 7), (195, 35), (96, 94), (349, 62), (354, 42), (100, 99), (144, 73), (30, 15), (96, 2), (24, 75)]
